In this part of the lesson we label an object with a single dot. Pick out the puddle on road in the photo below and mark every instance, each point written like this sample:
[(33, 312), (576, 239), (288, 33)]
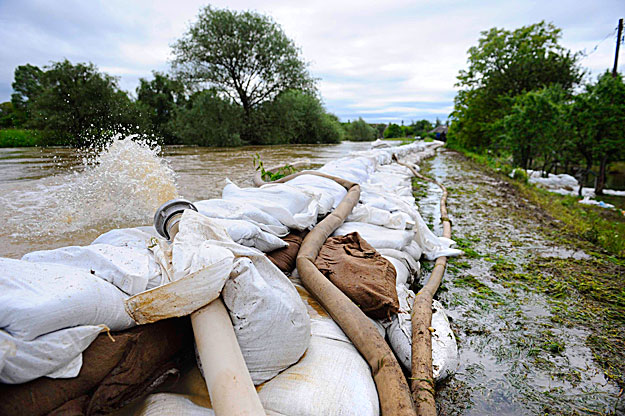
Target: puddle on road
[(516, 357)]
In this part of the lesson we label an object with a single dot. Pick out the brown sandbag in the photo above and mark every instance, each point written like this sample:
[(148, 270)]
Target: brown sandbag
[(112, 375), (361, 273), (285, 257)]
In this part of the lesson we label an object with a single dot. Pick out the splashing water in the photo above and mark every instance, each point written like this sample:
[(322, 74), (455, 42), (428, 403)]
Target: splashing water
[(122, 184)]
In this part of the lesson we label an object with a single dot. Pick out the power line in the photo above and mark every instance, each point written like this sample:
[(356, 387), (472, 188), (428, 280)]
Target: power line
[(609, 35)]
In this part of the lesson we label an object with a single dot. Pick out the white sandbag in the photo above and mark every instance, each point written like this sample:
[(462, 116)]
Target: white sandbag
[(269, 318), (414, 250), (130, 269), (332, 378), (376, 216), (57, 354), (287, 204), (413, 266), (324, 185), (248, 234), (38, 298), (445, 358), (161, 404), (138, 237), (233, 210), (377, 236), (400, 268)]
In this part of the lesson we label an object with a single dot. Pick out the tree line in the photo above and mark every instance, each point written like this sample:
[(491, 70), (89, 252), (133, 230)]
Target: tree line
[(523, 98)]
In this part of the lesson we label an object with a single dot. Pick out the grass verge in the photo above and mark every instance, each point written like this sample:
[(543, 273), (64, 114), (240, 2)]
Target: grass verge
[(19, 138)]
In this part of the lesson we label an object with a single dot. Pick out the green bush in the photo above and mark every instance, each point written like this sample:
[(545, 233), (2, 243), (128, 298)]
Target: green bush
[(360, 131), (19, 138), (520, 175), (393, 131)]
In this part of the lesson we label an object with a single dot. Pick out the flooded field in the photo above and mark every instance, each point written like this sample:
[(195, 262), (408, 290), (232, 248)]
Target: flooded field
[(529, 344)]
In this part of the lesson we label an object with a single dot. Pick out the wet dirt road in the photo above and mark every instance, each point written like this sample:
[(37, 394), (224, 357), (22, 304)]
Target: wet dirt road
[(521, 353)]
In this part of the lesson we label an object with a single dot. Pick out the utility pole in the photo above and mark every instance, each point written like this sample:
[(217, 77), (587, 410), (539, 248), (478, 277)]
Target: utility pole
[(618, 45)]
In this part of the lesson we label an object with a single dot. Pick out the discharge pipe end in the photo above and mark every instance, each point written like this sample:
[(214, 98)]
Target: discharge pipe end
[(168, 215)]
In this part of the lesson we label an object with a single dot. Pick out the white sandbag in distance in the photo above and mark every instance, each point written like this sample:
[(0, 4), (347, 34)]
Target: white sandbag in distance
[(161, 404), (377, 236), (248, 234), (287, 204), (233, 210), (353, 169), (326, 186), (57, 354), (445, 358), (38, 298), (376, 216), (332, 378), (130, 269)]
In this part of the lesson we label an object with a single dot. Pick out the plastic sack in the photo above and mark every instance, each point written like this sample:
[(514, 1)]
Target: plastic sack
[(57, 354), (377, 236), (400, 269), (160, 404), (444, 347), (131, 269), (233, 210), (248, 234), (39, 298), (413, 266), (137, 237), (269, 318), (376, 216), (332, 378), (329, 188), (287, 204)]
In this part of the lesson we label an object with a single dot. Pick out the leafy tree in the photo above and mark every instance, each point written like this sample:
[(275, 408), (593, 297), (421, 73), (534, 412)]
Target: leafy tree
[(7, 115), (536, 126), (296, 117), (359, 130), (503, 65), (81, 104), (158, 99), (599, 114), (421, 127), (393, 131), (208, 120), (27, 85), (243, 55)]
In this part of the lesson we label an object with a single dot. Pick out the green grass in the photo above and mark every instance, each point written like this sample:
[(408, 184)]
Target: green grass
[(599, 226), (19, 138)]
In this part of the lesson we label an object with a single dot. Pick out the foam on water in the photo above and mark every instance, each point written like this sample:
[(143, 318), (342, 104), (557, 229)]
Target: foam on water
[(122, 184)]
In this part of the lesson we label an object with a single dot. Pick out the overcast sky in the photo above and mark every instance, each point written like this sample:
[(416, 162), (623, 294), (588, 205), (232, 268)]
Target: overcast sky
[(381, 60)]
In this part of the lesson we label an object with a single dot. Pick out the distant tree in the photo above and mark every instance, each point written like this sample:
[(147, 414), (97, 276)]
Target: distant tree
[(438, 122), (359, 130), (157, 100), (393, 131), (244, 55), (297, 117), (537, 127), (421, 127), (599, 114), (27, 85), (80, 104), (7, 115), (503, 65), (407, 131), (208, 120)]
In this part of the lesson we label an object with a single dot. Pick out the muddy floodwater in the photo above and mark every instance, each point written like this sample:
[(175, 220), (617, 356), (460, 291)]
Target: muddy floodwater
[(519, 353), (518, 357), (57, 197)]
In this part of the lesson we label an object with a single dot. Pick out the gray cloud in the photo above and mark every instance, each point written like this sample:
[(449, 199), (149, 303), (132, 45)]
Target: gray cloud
[(384, 61)]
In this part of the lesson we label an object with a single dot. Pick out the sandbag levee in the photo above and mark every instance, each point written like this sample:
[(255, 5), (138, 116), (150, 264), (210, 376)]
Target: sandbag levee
[(393, 390)]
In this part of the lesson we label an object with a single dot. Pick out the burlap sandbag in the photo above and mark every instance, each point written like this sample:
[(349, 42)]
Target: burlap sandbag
[(113, 374), (285, 257), (366, 277)]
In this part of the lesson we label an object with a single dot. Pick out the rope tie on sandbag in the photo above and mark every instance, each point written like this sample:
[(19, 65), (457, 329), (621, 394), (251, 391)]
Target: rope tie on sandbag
[(393, 390), (422, 378)]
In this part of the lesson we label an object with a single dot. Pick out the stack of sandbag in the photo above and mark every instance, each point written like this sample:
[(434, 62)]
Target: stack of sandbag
[(50, 314), (118, 368)]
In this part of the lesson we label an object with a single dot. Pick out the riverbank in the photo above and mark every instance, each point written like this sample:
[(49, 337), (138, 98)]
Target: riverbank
[(537, 308)]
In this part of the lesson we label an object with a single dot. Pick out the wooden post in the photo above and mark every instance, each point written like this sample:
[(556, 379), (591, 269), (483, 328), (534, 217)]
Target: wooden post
[(618, 45)]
